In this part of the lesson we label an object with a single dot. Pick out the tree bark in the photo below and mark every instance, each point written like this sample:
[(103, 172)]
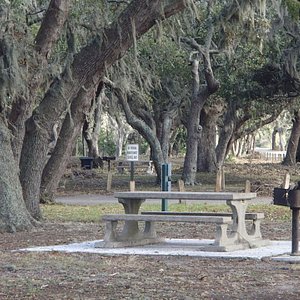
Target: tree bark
[(207, 161), (48, 34), (83, 73), (199, 98), (13, 213), (51, 26), (164, 116), (122, 135), (71, 129), (225, 136), (290, 159), (92, 125)]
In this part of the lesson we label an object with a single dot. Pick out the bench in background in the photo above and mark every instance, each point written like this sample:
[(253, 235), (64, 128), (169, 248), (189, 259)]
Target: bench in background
[(140, 164)]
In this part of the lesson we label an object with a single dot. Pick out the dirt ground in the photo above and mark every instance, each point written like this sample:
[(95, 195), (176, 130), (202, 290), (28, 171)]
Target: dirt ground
[(55, 275)]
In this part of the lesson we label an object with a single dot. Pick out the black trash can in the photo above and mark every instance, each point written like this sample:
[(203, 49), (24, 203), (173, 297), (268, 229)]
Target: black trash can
[(86, 162)]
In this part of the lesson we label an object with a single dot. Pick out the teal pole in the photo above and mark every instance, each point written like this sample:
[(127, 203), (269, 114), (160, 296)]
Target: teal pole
[(165, 183)]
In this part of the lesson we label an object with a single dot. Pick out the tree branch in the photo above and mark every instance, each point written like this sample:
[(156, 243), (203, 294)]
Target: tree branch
[(118, 1), (175, 7), (51, 26)]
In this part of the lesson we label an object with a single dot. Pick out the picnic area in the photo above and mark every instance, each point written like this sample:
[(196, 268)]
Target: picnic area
[(63, 275), (149, 149)]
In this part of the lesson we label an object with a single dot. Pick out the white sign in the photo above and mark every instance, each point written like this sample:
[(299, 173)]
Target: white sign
[(132, 152)]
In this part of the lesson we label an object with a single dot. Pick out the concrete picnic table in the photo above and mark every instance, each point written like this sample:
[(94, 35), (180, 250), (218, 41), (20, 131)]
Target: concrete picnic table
[(238, 237)]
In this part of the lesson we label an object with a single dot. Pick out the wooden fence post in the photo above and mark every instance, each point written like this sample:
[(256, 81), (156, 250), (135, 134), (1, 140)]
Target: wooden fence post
[(181, 187), (247, 186), (132, 186), (220, 179), (286, 182), (109, 181)]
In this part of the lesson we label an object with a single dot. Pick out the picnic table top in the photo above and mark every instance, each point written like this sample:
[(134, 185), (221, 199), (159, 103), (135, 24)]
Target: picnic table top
[(185, 195)]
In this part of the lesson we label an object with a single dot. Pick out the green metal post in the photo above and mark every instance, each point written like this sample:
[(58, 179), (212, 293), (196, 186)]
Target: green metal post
[(165, 183)]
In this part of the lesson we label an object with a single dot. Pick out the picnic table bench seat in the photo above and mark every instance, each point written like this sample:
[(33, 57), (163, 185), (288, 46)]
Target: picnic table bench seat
[(113, 238), (254, 218)]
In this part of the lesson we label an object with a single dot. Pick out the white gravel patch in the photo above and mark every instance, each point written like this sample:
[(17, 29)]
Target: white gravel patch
[(179, 247)]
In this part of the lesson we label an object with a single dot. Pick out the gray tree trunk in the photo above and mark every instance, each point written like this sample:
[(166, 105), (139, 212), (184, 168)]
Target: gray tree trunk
[(290, 159), (193, 135), (92, 126), (13, 213), (207, 161), (225, 137), (47, 35), (57, 163)]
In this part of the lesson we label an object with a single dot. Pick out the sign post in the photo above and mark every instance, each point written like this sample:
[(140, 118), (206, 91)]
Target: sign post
[(132, 155)]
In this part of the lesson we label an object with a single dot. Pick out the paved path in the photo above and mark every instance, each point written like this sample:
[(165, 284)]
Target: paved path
[(95, 199)]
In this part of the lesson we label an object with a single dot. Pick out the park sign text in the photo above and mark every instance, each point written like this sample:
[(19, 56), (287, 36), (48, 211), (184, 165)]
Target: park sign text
[(132, 152)]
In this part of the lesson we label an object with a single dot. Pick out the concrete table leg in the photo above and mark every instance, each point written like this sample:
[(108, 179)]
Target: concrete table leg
[(238, 215), (131, 228), (254, 239)]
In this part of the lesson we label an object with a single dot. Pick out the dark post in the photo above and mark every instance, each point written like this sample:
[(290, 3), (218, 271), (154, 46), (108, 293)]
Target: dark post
[(291, 198), (83, 145), (132, 171), (295, 231), (294, 202)]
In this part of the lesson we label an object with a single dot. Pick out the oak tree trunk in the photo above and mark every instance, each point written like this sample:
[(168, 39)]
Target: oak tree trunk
[(13, 213), (92, 125), (193, 135), (291, 152), (206, 161), (57, 163)]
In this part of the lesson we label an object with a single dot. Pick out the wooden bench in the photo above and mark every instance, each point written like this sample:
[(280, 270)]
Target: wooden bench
[(148, 235)]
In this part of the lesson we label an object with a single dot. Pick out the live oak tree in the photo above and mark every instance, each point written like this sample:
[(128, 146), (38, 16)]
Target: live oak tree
[(150, 83), (39, 102), (248, 107), (218, 35)]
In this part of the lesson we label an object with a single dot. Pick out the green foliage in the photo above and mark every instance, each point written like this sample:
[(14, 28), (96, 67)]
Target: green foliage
[(107, 142), (180, 141), (136, 138), (164, 57), (293, 7)]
